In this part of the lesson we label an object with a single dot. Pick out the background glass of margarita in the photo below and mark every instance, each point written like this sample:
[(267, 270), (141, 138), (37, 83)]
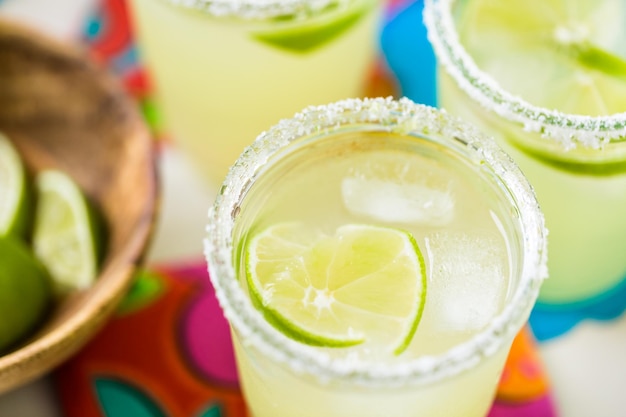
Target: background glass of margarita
[(225, 70), (283, 378), (576, 163)]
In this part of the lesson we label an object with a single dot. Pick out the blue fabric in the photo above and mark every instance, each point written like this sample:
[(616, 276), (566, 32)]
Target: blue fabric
[(409, 54), (552, 320)]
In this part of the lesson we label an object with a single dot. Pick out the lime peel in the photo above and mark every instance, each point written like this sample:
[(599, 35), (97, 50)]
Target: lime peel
[(422, 301), (305, 37), (599, 59), (25, 292)]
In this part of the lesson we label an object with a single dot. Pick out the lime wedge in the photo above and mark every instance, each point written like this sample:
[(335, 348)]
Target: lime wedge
[(304, 36), (362, 284), (66, 236), (14, 192), (562, 55), (24, 292)]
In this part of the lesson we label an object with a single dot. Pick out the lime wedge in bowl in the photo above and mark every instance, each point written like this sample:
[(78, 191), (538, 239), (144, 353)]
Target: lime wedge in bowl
[(14, 192), (67, 235), (362, 284), (25, 292), (562, 55)]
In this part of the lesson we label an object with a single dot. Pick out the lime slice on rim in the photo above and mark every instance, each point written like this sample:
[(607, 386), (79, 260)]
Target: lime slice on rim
[(303, 37), (362, 284), (559, 54), (14, 191), (24, 291), (66, 235)]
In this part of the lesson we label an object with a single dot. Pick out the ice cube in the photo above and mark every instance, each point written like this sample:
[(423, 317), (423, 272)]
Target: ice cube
[(397, 202), (468, 280)]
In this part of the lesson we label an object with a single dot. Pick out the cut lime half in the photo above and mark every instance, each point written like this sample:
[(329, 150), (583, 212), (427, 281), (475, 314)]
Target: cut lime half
[(364, 284), (563, 55), (66, 236), (14, 192)]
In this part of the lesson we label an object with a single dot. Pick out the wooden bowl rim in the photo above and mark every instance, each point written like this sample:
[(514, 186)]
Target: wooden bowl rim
[(25, 364)]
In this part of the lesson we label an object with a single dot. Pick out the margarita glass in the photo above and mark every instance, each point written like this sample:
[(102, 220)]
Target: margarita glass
[(213, 61), (547, 79), (429, 249)]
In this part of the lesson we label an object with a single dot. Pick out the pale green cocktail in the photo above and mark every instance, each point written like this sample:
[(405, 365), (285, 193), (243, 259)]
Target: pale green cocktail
[(226, 70), (548, 80), (374, 257)]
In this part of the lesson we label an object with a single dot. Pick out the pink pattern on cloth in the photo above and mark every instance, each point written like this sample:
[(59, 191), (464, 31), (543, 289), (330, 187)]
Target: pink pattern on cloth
[(206, 333), (541, 407)]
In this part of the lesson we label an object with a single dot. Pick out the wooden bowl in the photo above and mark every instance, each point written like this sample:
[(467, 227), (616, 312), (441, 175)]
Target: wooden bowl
[(62, 111)]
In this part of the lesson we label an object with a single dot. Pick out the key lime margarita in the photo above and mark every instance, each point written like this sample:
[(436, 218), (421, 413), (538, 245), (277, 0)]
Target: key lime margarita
[(226, 70), (548, 79), (374, 257)]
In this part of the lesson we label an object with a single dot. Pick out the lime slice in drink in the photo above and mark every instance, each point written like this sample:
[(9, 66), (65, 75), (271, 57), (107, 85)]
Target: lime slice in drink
[(563, 55), (303, 36), (24, 291), (66, 236), (14, 192), (362, 284)]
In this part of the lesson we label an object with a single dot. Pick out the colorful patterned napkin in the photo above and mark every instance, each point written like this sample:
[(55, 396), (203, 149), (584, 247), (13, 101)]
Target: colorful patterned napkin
[(167, 352)]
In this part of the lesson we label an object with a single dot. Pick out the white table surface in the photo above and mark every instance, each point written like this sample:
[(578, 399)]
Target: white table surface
[(587, 367)]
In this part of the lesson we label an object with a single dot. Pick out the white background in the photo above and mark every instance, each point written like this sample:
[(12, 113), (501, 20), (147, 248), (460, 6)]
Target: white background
[(587, 367)]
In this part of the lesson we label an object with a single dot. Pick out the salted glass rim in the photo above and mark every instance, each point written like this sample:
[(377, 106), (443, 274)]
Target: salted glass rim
[(403, 116), (256, 9), (570, 130)]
